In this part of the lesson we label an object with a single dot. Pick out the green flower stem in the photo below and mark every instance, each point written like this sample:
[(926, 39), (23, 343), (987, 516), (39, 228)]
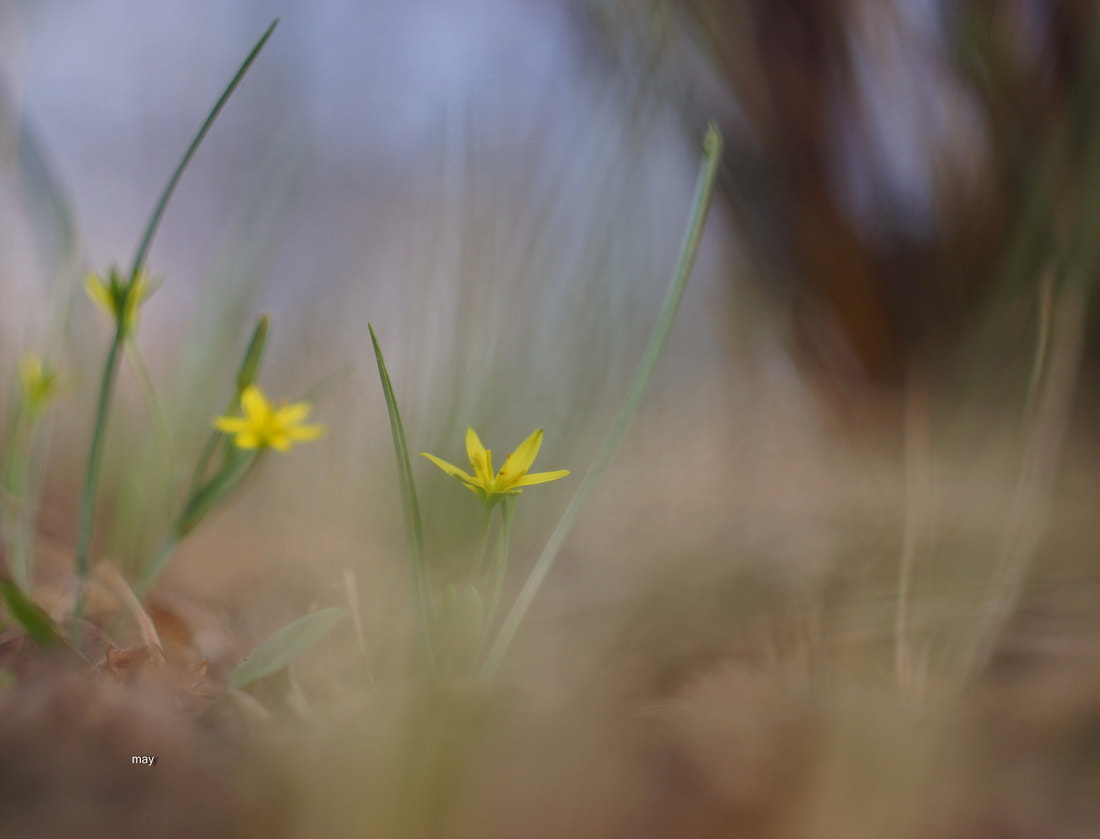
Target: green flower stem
[(110, 368), (712, 148), (16, 503), (483, 545), (500, 566), (95, 458), (153, 569), (153, 403)]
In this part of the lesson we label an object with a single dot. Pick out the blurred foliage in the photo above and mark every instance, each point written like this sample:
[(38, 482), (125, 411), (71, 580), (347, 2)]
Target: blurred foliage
[(901, 175)]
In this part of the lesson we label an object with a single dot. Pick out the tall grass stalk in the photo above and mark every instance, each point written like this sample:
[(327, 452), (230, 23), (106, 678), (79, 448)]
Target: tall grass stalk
[(414, 529), (708, 173), (110, 367)]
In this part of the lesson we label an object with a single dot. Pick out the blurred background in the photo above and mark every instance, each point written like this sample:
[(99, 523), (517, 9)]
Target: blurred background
[(896, 271)]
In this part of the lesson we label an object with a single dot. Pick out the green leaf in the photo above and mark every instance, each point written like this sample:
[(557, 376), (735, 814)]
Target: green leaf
[(410, 504), (30, 615), (250, 364), (166, 194), (246, 375), (282, 648), (214, 492)]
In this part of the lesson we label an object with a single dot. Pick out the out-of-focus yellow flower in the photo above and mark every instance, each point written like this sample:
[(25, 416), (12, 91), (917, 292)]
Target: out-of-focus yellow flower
[(39, 382), (512, 475), (265, 426), (110, 295)]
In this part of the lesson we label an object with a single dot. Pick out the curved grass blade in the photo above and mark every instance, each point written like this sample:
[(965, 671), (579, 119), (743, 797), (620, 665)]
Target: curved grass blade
[(409, 502), (708, 173), (110, 367), (282, 648), (246, 375), (34, 620), (166, 195)]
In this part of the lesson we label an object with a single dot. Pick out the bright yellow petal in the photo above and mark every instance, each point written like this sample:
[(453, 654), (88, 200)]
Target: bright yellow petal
[(248, 440), (449, 468), (99, 293), (255, 404), (473, 444), (292, 414), (519, 461), (301, 433), (232, 425), (540, 477), (481, 459)]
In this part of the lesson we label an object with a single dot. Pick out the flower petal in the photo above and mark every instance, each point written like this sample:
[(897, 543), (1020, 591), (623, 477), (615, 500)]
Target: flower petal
[(99, 293), (232, 425), (481, 458), (541, 477), (304, 432), (255, 404), (473, 445), (292, 414), (449, 468), (519, 461), (248, 440)]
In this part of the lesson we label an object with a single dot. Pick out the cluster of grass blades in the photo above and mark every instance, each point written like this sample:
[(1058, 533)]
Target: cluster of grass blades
[(462, 610), (464, 628), (236, 447)]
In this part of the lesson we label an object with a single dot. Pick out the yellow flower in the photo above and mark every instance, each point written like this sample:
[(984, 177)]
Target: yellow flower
[(263, 425), (110, 295), (512, 475), (39, 382)]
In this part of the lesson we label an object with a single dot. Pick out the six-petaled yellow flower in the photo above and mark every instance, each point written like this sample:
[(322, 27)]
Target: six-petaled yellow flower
[(112, 297), (512, 475), (263, 425)]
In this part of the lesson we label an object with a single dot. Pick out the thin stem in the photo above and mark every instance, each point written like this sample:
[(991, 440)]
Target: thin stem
[(918, 496), (17, 503), (170, 187), (153, 569), (110, 367), (712, 147), (500, 566), (153, 403), (95, 459), (483, 545)]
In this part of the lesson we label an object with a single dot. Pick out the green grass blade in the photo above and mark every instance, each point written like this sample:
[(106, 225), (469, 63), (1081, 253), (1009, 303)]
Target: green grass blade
[(282, 648), (410, 504), (34, 620), (17, 507), (246, 375), (166, 194), (708, 172), (110, 368)]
